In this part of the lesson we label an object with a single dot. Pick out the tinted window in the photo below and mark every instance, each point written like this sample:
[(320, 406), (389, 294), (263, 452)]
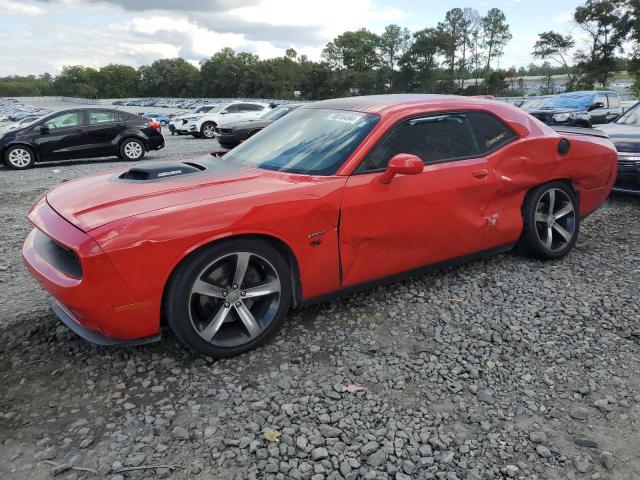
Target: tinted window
[(307, 141), (614, 101), (234, 108), (490, 132), (434, 139), (65, 120), (103, 117), (250, 107)]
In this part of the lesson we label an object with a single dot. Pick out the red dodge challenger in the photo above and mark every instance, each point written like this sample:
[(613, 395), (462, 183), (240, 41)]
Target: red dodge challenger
[(335, 196)]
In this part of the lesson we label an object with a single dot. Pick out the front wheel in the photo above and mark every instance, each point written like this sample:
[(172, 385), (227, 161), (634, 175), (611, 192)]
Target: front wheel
[(551, 221), (132, 150), (19, 157), (208, 130), (229, 298)]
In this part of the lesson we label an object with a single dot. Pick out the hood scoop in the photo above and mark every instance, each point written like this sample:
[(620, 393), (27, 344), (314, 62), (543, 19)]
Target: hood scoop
[(160, 170)]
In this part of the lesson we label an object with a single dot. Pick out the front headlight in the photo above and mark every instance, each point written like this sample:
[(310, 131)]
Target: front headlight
[(562, 117)]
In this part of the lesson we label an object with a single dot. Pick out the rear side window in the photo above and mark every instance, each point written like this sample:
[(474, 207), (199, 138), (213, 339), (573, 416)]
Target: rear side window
[(103, 117), (614, 100), (490, 132), (65, 120), (601, 99), (250, 107), (233, 108), (434, 139)]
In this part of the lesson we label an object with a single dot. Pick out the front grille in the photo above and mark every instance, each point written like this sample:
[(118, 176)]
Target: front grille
[(629, 160), (216, 129), (227, 131), (58, 256)]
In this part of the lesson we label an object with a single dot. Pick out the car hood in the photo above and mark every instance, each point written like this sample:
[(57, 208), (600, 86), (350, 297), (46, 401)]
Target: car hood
[(257, 123), (626, 138), (92, 202)]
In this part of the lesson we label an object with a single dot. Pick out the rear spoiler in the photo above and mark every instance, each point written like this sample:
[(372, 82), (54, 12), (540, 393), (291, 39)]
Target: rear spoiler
[(593, 132)]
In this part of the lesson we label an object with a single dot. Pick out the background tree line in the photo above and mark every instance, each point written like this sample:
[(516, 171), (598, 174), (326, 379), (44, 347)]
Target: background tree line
[(460, 55)]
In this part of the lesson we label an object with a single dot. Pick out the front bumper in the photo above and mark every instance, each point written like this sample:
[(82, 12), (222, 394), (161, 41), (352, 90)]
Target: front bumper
[(99, 303), (628, 180)]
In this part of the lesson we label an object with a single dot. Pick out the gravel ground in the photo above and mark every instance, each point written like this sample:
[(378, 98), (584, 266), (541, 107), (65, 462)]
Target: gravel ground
[(502, 368)]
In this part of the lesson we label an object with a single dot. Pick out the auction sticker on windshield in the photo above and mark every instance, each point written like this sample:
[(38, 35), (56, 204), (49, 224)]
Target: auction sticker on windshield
[(345, 117)]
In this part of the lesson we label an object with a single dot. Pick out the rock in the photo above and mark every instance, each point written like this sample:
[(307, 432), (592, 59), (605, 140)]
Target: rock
[(543, 451), (180, 433), (578, 413), (329, 432), (486, 396), (538, 437), (376, 459), (58, 469), (607, 460), (369, 448), (319, 453), (86, 442), (582, 464), (136, 460), (586, 443)]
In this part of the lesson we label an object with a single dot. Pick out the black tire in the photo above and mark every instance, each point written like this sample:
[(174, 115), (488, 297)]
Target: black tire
[(206, 130), (184, 308), (132, 150), (19, 157), (196, 134), (163, 123), (534, 241)]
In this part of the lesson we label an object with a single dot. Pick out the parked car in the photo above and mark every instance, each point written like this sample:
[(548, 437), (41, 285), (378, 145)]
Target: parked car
[(335, 196), (161, 118), (232, 134), (178, 124), (579, 109), (224, 113), (80, 133), (625, 135)]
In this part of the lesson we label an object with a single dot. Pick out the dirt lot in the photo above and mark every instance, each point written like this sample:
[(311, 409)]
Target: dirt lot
[(503, 368)]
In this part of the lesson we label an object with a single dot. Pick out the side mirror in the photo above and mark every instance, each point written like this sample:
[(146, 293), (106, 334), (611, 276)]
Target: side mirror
[(223, 113), (401, 164), (44, 129), (596, 105)]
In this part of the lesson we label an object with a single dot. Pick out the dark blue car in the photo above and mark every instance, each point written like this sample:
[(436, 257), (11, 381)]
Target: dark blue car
[(160, 117)]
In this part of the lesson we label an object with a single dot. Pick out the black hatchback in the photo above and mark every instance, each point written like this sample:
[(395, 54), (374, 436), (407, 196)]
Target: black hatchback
[(80, 133)]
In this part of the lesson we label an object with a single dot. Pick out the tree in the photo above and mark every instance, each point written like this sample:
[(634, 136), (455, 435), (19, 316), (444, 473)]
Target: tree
[(606, 24), (76, 81), (451, 30), (118, 81), (394, 42), (470, 29), (554, 46), (496, 34), (419, 63), (170, 77)]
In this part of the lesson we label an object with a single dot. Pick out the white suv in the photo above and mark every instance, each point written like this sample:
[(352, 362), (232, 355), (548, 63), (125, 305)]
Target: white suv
[(179, 123), (225, 113)]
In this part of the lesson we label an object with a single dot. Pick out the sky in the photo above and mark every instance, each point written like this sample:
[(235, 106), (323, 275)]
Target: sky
[(41, 36)]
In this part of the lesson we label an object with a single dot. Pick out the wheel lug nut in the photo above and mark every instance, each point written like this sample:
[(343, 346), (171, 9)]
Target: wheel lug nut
[(227, 304), (238, 304), (235, 287), (243, 293), (225, 293)]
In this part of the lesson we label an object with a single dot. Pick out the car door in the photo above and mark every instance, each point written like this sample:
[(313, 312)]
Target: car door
[(101, 132), (599, 115), (615, 107), (232, 113), (61, 136), (419, 219)]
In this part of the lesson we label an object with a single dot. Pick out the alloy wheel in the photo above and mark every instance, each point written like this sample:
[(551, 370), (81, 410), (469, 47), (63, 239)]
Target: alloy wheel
[(19, 157), (133, 150), (234, 299), (555, 219), (208, 131)]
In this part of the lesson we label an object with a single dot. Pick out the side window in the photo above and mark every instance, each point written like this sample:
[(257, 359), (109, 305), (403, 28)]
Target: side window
[(233, 108), (65, 120), (614, 100), (434, 139), (602, 99), (490, 132), (103, 117), (252, 107)]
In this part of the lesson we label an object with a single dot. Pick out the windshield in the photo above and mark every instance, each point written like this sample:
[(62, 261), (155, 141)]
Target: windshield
[(578, 101), (307, 141), (275, 113), (631, 116)]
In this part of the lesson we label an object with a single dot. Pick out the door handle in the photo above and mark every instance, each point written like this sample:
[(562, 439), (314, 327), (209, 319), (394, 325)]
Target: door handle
[(480, 174)]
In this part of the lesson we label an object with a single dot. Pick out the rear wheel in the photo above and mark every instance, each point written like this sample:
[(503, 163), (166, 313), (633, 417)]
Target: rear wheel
[(19, 157), (551, 221), (229, 298), (208, 130), (132, 150)]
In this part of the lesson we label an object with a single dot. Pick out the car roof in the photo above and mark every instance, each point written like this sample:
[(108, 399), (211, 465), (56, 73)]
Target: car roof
[(396, 102)]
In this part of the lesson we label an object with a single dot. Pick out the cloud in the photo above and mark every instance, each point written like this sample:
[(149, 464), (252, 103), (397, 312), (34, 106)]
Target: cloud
[(19, 8)]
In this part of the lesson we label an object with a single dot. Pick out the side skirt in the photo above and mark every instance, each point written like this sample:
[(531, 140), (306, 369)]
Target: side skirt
[(410, 273)]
